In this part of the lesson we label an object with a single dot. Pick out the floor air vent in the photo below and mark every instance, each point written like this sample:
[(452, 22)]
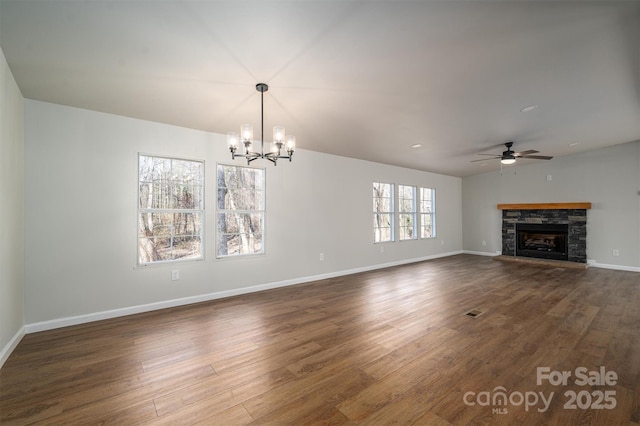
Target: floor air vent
[(474, 313)]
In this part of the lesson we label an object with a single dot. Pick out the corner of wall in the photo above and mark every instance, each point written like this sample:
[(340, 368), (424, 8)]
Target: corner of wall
[(12, 263)]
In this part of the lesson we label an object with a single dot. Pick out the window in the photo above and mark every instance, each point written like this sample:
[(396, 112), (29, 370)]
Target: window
[(240, 210), (170, 209), (427, 212), (407, 212), (383, 212)]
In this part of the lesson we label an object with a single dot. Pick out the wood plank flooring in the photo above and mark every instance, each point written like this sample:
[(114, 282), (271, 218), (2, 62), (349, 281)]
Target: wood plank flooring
[(383, 347)]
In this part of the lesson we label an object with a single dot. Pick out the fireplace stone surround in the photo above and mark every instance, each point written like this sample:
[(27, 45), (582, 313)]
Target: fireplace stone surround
[(572, 214)]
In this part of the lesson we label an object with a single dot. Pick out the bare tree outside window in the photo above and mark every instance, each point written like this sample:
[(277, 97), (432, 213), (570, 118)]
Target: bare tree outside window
[(170, 209), (383, 212), (240, 202)]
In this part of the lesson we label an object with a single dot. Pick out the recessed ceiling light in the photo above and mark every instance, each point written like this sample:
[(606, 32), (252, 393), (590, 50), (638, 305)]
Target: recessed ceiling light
[(416, 145), (574, 143), (529, 108)]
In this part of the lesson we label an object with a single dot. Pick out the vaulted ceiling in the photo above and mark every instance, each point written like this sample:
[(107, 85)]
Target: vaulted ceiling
[(362, 79)]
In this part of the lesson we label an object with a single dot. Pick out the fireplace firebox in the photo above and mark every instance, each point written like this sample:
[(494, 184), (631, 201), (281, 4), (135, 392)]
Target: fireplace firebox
[(542, 240)]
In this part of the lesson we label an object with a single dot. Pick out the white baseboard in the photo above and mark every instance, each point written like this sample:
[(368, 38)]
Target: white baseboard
[(616, 267), (590, 262), (480, 253), (9, 347), (113, 313)]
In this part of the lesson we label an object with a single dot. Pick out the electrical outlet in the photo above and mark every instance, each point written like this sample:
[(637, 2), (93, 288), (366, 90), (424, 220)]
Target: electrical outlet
[(441, 242), (484, 243), (615, 252), (321, 257), (175, 274), (381, 249)]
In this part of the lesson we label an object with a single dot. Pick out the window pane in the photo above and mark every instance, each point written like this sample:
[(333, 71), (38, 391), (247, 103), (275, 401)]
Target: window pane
[(382, 220), (228, 244), (155, 225), (382, 190), (427, 226), (406, 220), (406, 205), (221, 199), (406, 226), (382, 205), (185, 196), (162, 249), (169, 248), (153, 168), (145, 195), (224, 225), (186, 247), (382, 227), (187, 224)]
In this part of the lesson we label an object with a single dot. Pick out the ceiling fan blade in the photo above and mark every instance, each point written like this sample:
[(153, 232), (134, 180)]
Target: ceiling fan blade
[(523, 153), (537, 157), (492, 155), (485, 159)]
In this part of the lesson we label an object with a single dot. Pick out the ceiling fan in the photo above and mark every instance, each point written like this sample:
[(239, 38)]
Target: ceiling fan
[(509, 156)]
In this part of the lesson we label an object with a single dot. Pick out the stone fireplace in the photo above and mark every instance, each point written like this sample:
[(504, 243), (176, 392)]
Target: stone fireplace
[(555, 231)]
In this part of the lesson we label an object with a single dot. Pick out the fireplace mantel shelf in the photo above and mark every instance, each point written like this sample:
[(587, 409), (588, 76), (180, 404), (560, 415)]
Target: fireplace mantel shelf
[(545, 206)]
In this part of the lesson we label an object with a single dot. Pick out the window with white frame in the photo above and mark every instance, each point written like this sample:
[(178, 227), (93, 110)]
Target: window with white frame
[(170, 209), (240, 210), (427, 212), (407, 212), (383, 212)]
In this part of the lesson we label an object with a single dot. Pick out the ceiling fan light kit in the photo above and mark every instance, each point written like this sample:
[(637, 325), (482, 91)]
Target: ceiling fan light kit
[(246, 135)]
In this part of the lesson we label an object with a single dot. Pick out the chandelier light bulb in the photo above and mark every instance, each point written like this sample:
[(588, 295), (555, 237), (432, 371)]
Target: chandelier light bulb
[(246, 130), (278, 134), (291, 143), (232, 140)]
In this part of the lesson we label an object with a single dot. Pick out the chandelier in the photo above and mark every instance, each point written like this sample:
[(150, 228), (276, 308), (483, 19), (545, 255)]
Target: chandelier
[(246, 136)]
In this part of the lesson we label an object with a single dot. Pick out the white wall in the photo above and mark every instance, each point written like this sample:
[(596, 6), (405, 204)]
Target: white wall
[(609, 178), (80, 217), (11, 212)]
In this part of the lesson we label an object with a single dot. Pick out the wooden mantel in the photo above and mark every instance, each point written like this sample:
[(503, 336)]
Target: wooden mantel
[(545, 206)]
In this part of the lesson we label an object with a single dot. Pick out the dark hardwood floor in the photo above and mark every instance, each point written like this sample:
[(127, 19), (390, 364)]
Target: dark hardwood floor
[(385, 347)]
